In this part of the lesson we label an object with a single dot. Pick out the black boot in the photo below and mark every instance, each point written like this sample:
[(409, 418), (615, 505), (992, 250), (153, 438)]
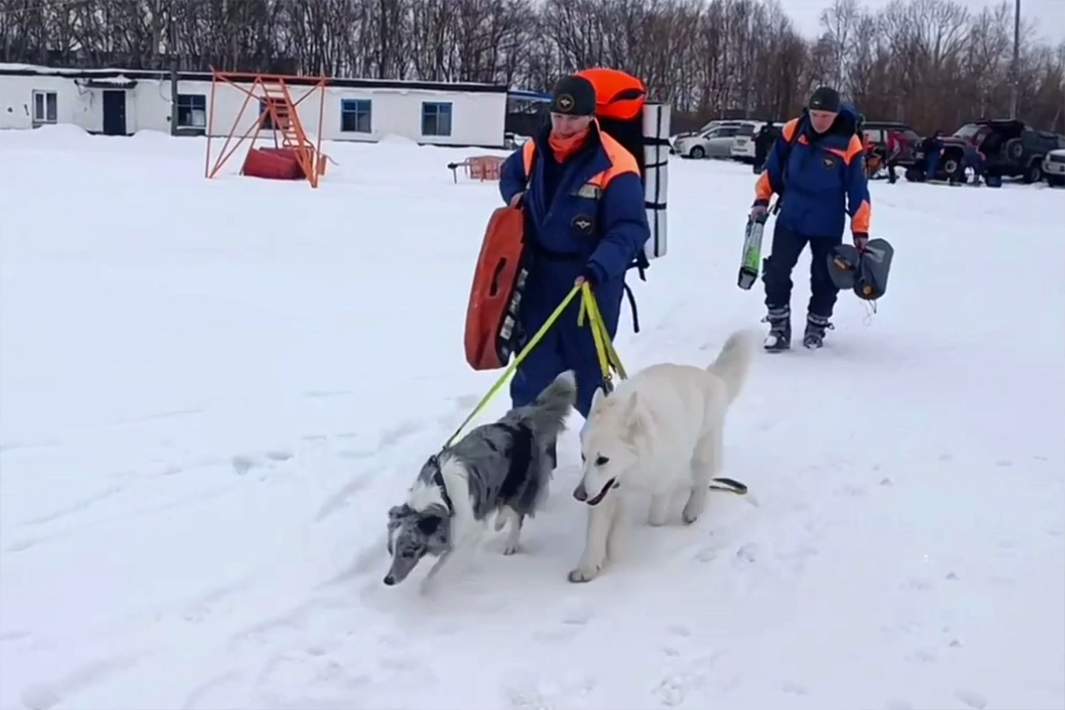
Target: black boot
[(815, 331), (779, 337)]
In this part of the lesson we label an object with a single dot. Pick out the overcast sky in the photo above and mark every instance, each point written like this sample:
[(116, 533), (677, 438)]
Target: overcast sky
[(1049, 15)]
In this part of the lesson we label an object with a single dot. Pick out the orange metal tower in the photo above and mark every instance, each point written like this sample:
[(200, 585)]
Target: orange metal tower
[(278, 113)]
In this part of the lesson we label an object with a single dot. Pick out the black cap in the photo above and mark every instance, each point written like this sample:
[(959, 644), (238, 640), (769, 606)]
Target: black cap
[(574, 95), (825, 98)]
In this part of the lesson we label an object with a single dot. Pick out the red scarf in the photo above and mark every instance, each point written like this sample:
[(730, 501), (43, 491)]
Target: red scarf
[(566, 148)]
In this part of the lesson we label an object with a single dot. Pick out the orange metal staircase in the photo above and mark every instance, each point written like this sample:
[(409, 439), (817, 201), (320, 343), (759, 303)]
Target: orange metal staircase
[(278, 113)]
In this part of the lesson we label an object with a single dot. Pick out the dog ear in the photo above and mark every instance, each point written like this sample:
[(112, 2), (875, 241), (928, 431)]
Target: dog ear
[(634, 420), (398, 511), (597, 397)]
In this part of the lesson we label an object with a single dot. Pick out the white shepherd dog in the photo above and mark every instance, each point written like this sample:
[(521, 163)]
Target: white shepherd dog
[(660, 431)]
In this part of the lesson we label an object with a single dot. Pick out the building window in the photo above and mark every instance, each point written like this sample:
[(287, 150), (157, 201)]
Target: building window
[(191, 111), (44, 107), (355, 115), (436, 119)]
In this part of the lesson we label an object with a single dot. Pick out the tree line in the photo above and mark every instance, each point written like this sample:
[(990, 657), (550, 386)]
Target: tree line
[(932, 63)]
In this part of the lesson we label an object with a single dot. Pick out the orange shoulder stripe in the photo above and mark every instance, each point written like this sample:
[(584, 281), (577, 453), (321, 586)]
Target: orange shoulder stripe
[(622, 161), (528, 154), (789, 129)]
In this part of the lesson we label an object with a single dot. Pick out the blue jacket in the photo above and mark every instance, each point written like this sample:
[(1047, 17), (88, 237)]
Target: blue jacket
[(565, 220), (820, 177)]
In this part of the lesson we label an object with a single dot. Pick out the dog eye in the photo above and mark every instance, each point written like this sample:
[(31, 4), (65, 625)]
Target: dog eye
[(602, 461)]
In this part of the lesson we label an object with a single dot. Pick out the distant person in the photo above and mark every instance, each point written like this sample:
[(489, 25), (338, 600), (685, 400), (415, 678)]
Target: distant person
[(933, 148), (818, 169), (763, 142), (893, 151)]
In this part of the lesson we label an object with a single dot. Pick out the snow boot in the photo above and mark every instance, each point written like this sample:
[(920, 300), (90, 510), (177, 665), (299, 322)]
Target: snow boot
[(816, 326), (779, 337)]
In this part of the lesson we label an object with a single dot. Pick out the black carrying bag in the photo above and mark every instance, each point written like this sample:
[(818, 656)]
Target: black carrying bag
[(865, 273)]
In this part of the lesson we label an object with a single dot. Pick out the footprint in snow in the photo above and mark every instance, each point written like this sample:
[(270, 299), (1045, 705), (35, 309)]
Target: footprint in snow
[(242, 464), (896, 704), (793, 688), (466, 401), (747, 554), (342, 497), (972, 699), (398, 433), (43, 696)]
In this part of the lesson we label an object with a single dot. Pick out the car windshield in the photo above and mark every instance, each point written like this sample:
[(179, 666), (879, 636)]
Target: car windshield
[(968, 131)]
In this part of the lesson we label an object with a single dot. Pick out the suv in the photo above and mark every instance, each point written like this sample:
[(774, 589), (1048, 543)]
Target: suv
[(875, 137), (1011, 149), (1054, 166)]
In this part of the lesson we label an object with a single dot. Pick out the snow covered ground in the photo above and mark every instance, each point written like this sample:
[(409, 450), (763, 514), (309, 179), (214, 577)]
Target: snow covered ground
[(212, 391)]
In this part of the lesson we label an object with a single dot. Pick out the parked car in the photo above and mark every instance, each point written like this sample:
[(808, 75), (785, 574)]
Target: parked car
[(706, 128), (714, 143), (1054, 167), (1011, 148), (743, 143)]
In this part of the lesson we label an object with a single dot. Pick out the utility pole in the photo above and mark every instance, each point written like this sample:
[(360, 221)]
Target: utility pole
[(1015, 70), (172, 46)]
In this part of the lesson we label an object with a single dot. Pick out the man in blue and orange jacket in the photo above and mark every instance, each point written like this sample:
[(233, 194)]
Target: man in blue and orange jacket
[(818, 169), (585, 221)]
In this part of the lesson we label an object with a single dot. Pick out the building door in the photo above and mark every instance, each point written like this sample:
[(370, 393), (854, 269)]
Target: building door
[(115, 113)]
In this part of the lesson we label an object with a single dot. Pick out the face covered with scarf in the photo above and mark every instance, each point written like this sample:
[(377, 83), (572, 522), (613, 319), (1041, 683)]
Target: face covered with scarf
[(568, 134)]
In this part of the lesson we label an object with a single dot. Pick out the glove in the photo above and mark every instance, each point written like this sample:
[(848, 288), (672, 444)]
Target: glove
[(589, 276), (860, 240), (759, 211)]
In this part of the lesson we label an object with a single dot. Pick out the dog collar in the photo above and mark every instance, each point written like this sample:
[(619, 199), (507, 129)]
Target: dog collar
[(438, 479)]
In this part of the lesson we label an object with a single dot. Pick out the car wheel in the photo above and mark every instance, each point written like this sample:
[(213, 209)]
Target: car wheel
[(1056, 180), (950, 167), (1034, 173), (698, 152), (1015, 149), (914, 174)]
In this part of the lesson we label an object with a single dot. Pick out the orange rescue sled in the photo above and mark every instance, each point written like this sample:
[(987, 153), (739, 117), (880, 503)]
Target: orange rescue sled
[(492, 330)]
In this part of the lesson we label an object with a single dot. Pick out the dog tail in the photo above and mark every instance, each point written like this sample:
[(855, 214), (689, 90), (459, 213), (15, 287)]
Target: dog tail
[(547, 414), (734, 361)]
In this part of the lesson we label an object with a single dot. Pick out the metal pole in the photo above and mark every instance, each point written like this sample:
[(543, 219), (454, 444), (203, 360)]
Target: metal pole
[(173, 73), (1015, 70)]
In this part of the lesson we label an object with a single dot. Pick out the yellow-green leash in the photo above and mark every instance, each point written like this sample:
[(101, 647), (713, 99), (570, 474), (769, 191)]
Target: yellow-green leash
[(512, 368), (608, 357)]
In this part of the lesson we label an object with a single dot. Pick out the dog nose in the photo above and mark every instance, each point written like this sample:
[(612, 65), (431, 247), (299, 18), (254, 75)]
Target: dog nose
[(579, 493), (390, 580)]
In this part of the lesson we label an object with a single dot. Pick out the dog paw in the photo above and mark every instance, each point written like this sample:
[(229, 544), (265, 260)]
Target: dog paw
[(691, 513), (584, 573), (511, 549)]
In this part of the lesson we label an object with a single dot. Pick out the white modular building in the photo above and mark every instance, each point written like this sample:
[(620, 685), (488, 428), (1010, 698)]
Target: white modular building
[(124, 101)]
